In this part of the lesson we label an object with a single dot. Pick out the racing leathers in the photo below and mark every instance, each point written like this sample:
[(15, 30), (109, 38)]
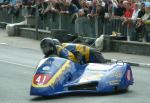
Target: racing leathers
[(84, 54), (64, 53)]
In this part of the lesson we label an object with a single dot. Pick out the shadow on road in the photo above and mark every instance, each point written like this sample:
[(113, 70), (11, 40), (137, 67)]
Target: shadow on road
[(41, 98)]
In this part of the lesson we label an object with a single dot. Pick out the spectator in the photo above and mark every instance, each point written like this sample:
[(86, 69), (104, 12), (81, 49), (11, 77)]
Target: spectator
[(131, 22), (86, 7), (24, 2), (59, 5), (41, 8), (135, 11), (77, 3), (127, 14), (140, 26), (119, 11), (101, 11), (109, 7), (113, 6), (129, 11), (31, 8), (127, 21), (142, 10), (52, 8), (72, 10), (14, 9), (146, 16), (95, 4), (101, 17)]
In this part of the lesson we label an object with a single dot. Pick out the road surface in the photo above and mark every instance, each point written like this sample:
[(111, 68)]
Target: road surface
[(17, 66)]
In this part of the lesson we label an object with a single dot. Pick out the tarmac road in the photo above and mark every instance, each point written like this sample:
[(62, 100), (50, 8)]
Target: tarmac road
[(17, 67)]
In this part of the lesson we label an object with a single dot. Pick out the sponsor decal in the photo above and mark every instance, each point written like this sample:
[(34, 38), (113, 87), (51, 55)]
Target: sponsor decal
[(91, 75), (114, 82), (99, 67), (46, 68), (116, 74)]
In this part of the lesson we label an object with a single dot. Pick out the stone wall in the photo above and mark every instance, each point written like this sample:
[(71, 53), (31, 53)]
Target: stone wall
[(133, 47)]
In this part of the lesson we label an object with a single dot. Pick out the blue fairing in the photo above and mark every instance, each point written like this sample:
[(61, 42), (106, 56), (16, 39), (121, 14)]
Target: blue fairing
[(113, 82), (57, 75)]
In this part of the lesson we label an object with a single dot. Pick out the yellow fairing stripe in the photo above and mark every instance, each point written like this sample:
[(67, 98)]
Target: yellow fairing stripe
[(53, 80)]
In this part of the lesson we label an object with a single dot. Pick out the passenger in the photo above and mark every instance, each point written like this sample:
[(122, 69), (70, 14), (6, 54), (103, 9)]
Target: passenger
[(84, 53)]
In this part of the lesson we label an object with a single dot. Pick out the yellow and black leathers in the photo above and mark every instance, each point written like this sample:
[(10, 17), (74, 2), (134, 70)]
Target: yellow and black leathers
[(64, 53), (89, 55)]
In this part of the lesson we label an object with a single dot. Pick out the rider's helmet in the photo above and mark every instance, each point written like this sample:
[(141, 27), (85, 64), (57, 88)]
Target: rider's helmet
[(56, 42), (48, 47)]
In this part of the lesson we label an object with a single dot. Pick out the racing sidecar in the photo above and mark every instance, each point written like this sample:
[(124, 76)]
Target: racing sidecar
[(56, 75)]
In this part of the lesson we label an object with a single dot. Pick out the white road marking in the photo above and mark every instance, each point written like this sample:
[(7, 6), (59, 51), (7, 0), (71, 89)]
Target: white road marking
[(3, 43), (18, 64)]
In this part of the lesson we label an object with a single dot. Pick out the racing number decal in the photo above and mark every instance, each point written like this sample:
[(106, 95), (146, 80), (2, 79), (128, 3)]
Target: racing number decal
[(41, 79), (38, 79)]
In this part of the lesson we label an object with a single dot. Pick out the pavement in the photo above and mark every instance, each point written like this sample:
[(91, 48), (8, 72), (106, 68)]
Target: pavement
[(133, 60)]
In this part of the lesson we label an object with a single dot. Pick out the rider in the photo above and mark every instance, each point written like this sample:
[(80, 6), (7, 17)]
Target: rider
[(51, 47), (48, 47)]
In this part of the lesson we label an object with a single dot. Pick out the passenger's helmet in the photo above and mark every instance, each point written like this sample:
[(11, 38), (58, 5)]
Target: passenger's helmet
[(56, 42), (48, 47)]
